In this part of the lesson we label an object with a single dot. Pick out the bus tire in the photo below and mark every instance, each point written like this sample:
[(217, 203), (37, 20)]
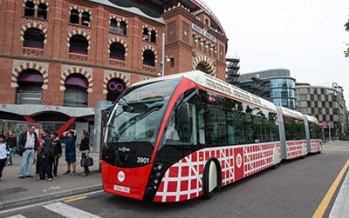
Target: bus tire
[(212, 178)]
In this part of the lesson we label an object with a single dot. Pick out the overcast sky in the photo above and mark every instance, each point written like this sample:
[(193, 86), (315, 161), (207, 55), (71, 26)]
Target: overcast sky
[(305, 36)]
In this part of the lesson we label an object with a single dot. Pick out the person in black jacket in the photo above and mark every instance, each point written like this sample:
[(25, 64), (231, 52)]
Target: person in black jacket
[(85, 148), (44, 154), (57, 151)]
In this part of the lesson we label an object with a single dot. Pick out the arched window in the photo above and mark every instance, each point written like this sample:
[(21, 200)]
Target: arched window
[(42, 11), (123, 27), (113, 26), (85, 19), (153, 36), (117, 51), (115, 87), (145, 34), (78, 44), (148, 58), (29, 9), (74, 16), (201, 67), (34, 38), (75, 94), (29, 89)]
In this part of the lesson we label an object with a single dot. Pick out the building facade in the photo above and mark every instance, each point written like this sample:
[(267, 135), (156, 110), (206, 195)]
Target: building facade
[(326, 104), (58, 57), (274, 85)]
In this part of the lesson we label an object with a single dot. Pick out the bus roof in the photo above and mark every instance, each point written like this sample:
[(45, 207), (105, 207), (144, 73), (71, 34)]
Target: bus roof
[(312, 119), (292, 113), (217, 85)]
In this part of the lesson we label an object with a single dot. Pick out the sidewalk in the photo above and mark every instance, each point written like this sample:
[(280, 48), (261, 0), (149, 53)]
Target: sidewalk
[(15, 192)]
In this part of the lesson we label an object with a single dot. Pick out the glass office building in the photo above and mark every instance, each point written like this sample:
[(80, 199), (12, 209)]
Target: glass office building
[(274, 85)]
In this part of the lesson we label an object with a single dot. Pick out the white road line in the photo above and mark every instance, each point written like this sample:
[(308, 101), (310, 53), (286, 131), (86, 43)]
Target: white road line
[(341, 205), (16, 216), (68, 211)]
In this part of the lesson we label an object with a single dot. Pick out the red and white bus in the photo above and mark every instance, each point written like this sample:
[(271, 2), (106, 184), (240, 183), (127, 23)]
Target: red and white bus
[(183, 136)]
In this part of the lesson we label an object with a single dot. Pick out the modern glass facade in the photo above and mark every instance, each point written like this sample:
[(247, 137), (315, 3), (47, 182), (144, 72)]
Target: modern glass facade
[(282, 92), (274, 85)]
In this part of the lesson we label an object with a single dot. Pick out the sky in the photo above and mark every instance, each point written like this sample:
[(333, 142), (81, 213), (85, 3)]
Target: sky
[(306, 37)]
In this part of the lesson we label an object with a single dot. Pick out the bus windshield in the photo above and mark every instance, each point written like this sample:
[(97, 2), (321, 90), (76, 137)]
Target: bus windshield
[(134, 123)]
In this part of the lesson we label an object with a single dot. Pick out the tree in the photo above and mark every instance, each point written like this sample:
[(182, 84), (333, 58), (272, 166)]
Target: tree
[(346, 26)]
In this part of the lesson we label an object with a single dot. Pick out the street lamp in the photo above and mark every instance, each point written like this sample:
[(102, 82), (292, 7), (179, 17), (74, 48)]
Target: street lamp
[(163, 57)]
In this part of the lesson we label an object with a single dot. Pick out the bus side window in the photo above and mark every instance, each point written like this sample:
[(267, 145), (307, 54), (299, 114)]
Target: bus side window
[(201, 125)]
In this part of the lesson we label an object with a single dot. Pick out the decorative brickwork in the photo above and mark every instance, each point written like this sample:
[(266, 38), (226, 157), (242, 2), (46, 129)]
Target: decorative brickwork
[(79, 30), (121, 40), (185, 34), (108, 75), (33, 23), (209, 63), (171, 32), (36, 2), (151, 48), (33, 52), (19, 66), (66, 70)]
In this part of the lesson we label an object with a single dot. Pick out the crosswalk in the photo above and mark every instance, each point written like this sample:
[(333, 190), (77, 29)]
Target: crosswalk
[(63, 210)]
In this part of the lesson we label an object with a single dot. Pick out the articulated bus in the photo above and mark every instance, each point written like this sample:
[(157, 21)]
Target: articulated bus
[(186, 135)]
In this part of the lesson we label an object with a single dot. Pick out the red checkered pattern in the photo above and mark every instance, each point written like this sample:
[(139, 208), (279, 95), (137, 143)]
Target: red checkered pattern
[(315, 145), (294, 148), (259, 157), (183, 181)]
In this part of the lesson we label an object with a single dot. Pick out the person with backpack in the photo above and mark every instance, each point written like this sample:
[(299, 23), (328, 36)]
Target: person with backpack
[(57, 152), (45, 152)]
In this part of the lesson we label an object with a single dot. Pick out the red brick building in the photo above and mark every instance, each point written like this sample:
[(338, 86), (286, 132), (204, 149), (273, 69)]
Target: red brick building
[(58, 57)]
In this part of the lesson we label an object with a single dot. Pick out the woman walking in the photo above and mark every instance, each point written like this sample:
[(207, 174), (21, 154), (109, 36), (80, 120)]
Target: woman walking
[(85, 148)]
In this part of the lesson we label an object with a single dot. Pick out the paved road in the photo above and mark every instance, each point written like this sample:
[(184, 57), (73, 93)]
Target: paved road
[(295, 189)]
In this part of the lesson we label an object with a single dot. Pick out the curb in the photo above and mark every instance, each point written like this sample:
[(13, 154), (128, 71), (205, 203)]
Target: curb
[(47, 197)]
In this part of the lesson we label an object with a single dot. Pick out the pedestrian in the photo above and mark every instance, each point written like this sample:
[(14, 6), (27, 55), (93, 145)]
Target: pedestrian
[(70, 152), (85, 148), (57, 148), (43, 156), (3, 154), (11, 141), (26, 144)]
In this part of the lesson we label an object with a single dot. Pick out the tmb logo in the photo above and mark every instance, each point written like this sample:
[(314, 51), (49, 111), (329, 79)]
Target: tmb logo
[(121, 176)]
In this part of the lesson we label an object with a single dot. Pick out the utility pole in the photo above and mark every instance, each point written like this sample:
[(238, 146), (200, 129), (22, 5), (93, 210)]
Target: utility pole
[(163, 55)]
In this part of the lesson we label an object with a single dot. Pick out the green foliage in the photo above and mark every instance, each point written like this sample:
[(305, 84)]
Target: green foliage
[(346, 26)]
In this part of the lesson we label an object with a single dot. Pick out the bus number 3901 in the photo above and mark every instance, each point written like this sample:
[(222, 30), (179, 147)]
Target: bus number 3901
[(143, 160)]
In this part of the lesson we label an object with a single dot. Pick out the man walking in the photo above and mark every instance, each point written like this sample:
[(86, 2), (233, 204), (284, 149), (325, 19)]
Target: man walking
[(27, 143)]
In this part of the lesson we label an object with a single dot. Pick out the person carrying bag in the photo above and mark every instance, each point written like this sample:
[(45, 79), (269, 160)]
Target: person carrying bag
[(86, 160)]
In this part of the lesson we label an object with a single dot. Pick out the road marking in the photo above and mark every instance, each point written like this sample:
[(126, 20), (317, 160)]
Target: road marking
[(68, 211), (16, 216), (341, 205), (75, 199), (43, 203), (320, 211)]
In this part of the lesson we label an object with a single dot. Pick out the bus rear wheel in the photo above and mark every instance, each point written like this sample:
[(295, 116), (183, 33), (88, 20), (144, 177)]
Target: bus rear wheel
[(211, 178)]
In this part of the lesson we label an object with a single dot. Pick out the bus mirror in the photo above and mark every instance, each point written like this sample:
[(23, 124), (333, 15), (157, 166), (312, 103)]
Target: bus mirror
[(183, 113)]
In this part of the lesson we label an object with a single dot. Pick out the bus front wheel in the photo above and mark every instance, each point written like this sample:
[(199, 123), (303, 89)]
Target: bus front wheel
[(211, 178)]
